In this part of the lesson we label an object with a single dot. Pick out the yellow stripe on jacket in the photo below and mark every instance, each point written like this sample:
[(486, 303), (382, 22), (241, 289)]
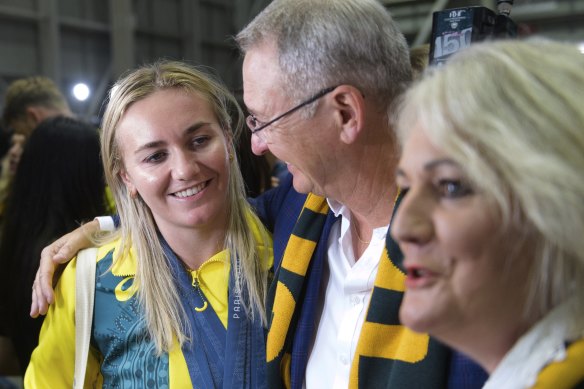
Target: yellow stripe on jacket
[(564, 374), (52, 362)]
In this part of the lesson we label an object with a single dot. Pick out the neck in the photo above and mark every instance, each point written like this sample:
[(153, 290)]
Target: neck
[(370, 161), (361, 238), (370, 193), (487, 343), (194, 246), (364, 219), (371, 209)]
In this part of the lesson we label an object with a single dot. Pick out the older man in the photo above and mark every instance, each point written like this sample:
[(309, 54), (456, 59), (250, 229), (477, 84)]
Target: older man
[(321, 78)]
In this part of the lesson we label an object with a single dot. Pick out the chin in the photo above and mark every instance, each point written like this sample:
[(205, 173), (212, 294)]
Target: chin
[(416, 317), (301, 184)]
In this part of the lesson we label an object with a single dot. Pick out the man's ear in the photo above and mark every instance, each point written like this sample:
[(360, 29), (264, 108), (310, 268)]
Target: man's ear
[(35, 113), (350, 105), (25, 124)]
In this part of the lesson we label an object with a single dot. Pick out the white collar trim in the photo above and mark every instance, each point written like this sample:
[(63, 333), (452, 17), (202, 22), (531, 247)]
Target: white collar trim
[(543, 344)]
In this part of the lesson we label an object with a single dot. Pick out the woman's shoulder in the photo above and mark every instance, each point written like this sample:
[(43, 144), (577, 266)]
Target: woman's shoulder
[(116, 258)]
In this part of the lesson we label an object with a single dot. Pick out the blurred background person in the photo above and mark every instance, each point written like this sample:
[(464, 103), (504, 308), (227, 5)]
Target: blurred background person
[(27, 102), (492, 219), (419, 58), (255, 169), (59, 185), (5, 140)]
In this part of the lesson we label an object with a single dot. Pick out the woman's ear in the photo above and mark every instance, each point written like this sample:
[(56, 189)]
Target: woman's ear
[(350, 104), (132, 191)]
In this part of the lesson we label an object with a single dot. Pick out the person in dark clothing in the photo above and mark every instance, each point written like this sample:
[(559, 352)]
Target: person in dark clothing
[(59, 184)]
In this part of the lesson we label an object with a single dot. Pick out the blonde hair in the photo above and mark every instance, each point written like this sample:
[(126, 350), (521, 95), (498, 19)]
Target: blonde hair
[(157, 292), (511, 114)]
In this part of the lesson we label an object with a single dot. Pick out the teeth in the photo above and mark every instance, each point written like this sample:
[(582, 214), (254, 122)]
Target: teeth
[(190, 192), (416, 273)]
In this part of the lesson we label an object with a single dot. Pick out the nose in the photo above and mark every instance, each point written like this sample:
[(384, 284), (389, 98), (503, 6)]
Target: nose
[(184, 166), (412, 223), (258, 146)]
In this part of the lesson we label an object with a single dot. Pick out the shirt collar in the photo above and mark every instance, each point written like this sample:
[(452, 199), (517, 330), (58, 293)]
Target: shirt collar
[(339, 209), (543, 344), (127, 265)]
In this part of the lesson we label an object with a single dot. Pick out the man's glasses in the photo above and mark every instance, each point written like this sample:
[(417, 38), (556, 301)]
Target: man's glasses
[(256, 126)]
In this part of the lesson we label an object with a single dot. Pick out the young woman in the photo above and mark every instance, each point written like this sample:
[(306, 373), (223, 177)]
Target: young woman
[(491, 223), (179, 299)]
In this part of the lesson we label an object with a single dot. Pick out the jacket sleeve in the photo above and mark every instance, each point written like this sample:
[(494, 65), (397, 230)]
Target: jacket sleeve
[(269, 204), (52, 362)]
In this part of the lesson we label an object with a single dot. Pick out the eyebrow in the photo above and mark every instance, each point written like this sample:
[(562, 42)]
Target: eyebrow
[(158, 143), (444, 161), (247, 108), (252, 113), (431, 165)]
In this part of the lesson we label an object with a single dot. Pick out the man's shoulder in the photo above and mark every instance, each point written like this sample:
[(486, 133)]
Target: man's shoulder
[(284, 191), (279, 204)]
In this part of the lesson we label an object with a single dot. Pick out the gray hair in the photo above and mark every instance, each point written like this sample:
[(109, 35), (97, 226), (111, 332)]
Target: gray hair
[(511, 114), (323, 43)]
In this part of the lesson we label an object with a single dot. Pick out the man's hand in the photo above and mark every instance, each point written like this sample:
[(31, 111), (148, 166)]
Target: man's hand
[(52, 257)]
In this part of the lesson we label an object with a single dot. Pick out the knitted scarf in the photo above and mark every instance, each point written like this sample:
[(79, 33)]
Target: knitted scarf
[(387, 355), (566, 373)]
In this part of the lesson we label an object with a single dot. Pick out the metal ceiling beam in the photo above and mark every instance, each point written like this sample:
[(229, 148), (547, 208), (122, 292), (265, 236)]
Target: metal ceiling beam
[(191, 29), (246, 10), (426, 29), (18, 13), (122, 36), (99, 95), (49, 41)]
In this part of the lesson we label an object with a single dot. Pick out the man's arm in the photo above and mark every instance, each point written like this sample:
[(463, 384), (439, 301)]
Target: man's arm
[(269, 204), (52, 257)]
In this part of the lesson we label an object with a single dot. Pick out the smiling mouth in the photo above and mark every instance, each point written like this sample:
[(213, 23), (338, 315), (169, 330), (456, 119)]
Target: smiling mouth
[(191, 191)]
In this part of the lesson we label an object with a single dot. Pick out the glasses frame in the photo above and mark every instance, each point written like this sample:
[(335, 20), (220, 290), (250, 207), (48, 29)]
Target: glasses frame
[(312, 99)]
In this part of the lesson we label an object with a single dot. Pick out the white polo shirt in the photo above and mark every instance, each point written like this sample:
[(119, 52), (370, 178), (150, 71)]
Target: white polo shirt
[(344, 303)]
